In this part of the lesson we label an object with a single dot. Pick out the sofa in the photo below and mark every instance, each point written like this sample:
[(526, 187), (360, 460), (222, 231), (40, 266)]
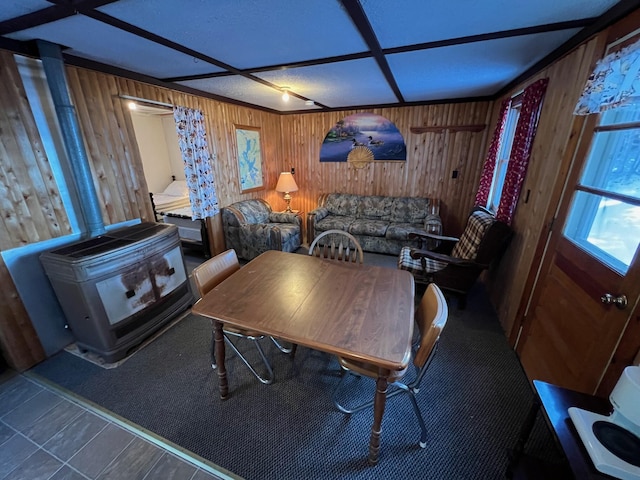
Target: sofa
[(251, 228), (381, 224)]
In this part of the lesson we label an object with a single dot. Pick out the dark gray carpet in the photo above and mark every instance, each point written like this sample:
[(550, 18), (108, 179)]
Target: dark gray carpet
[(474, 399)]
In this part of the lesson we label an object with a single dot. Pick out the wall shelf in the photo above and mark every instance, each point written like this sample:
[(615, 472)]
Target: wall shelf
[(451, 128)]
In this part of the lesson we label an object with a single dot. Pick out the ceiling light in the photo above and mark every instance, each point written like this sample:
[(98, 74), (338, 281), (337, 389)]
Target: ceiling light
[(309, 103), (285, 94), (132, 105)]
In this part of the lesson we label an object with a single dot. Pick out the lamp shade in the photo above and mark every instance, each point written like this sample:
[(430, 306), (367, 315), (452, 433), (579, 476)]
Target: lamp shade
[(286, 183)]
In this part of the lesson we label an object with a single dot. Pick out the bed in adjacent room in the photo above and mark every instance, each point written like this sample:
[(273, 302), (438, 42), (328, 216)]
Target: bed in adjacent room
[(174, 196), (172, 205)]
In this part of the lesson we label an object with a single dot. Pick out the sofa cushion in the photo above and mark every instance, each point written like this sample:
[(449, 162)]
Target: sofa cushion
[(414, 265), (374, 228), (375, 207), (410, 209), (345, 204), (401, 231), (290, 235), (254, 239), (336, 222)]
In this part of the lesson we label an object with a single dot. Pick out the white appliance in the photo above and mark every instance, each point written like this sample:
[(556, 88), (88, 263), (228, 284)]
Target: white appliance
[(613, 441)]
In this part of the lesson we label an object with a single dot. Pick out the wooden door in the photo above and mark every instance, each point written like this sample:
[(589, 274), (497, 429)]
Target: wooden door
[(570, 336)]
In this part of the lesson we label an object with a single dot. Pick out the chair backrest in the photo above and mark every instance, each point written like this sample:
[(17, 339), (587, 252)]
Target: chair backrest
[(478, 224), (337, 245), (253, 211), (215, 270), (431, 318)]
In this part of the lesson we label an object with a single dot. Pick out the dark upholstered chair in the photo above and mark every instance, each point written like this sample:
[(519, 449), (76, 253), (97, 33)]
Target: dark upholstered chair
[(431, 318), (213, 272), (456, 264), (337, 245), (251, 228)]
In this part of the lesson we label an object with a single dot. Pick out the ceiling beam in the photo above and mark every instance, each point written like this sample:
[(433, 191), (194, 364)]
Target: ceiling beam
[(360, 20), (483, 37), (615, 13), (140, 77), (283, 66), (127, 27), (58, 11)]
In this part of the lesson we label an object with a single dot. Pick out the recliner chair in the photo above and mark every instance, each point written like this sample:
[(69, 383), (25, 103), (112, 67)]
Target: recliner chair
[(456, 264), (251, 228)]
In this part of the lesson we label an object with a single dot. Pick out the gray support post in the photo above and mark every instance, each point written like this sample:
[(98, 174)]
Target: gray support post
[(53, 64)]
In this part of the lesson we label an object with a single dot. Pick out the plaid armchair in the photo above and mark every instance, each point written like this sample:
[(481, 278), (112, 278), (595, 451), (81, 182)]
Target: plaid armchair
[(251, 228), (456, 264)]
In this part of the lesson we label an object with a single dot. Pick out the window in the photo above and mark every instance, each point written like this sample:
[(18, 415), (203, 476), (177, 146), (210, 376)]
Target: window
[(604, 218), (504, 153)]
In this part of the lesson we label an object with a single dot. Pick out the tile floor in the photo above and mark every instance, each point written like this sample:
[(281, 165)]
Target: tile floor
[(46, 433)]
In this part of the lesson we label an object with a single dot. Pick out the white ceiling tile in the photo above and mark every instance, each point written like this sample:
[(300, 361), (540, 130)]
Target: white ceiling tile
[(17, 8), (292, 34), (419, 21), (469, 70), (248, 91), (248, 33), (110, 45), (354, 82)]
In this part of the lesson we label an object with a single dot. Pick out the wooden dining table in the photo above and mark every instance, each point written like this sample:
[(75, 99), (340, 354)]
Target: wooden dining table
[(361, 312)]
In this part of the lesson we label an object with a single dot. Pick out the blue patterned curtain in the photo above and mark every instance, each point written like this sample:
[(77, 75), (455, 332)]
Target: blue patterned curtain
[(192, 138), (614, 82)]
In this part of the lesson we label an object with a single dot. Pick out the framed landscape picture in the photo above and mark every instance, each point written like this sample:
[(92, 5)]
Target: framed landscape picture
[(361, 131), (249, 158)]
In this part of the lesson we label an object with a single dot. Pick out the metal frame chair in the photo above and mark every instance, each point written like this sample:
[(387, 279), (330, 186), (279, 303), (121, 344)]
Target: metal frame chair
[(206, 277), (431, 318), (347, 249)]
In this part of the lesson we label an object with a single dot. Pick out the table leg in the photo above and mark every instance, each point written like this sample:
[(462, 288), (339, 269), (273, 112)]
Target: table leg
[(378, 410), (525, 431), (220, 354)]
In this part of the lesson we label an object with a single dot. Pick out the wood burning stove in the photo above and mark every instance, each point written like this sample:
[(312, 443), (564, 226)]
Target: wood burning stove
[(117, 289)]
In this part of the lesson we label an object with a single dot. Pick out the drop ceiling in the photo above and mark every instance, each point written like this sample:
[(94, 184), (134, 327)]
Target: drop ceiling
[(329, 54)]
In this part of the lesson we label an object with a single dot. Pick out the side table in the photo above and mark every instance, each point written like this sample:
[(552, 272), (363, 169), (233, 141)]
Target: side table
[(555, 402)]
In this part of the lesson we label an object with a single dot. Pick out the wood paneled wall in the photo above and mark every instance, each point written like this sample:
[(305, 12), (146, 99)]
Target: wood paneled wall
[(554, 138), (111, 147), (32, 208), (431, 158)]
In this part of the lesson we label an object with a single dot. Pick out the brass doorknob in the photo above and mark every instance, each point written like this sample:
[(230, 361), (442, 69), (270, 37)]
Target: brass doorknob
[(619, 301)]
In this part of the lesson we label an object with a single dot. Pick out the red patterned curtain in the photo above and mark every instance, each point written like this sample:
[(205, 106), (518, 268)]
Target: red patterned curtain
[(490, 162), (521, 149)]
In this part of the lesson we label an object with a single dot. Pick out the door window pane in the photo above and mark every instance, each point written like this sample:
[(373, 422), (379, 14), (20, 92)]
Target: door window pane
[(604, 218), (618, 167), (608, 229)]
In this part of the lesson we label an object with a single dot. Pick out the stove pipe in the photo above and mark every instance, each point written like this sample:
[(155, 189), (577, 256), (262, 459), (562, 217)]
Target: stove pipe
[(53, 64)]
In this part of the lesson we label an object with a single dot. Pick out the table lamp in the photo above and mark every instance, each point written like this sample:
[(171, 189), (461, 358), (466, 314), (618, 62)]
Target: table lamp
[(286, 183)]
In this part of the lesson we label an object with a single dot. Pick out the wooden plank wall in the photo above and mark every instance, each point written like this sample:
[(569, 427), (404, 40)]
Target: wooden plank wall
[(554, 137), (111, 148), (431, 158), (31, 208), (287, 141)]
